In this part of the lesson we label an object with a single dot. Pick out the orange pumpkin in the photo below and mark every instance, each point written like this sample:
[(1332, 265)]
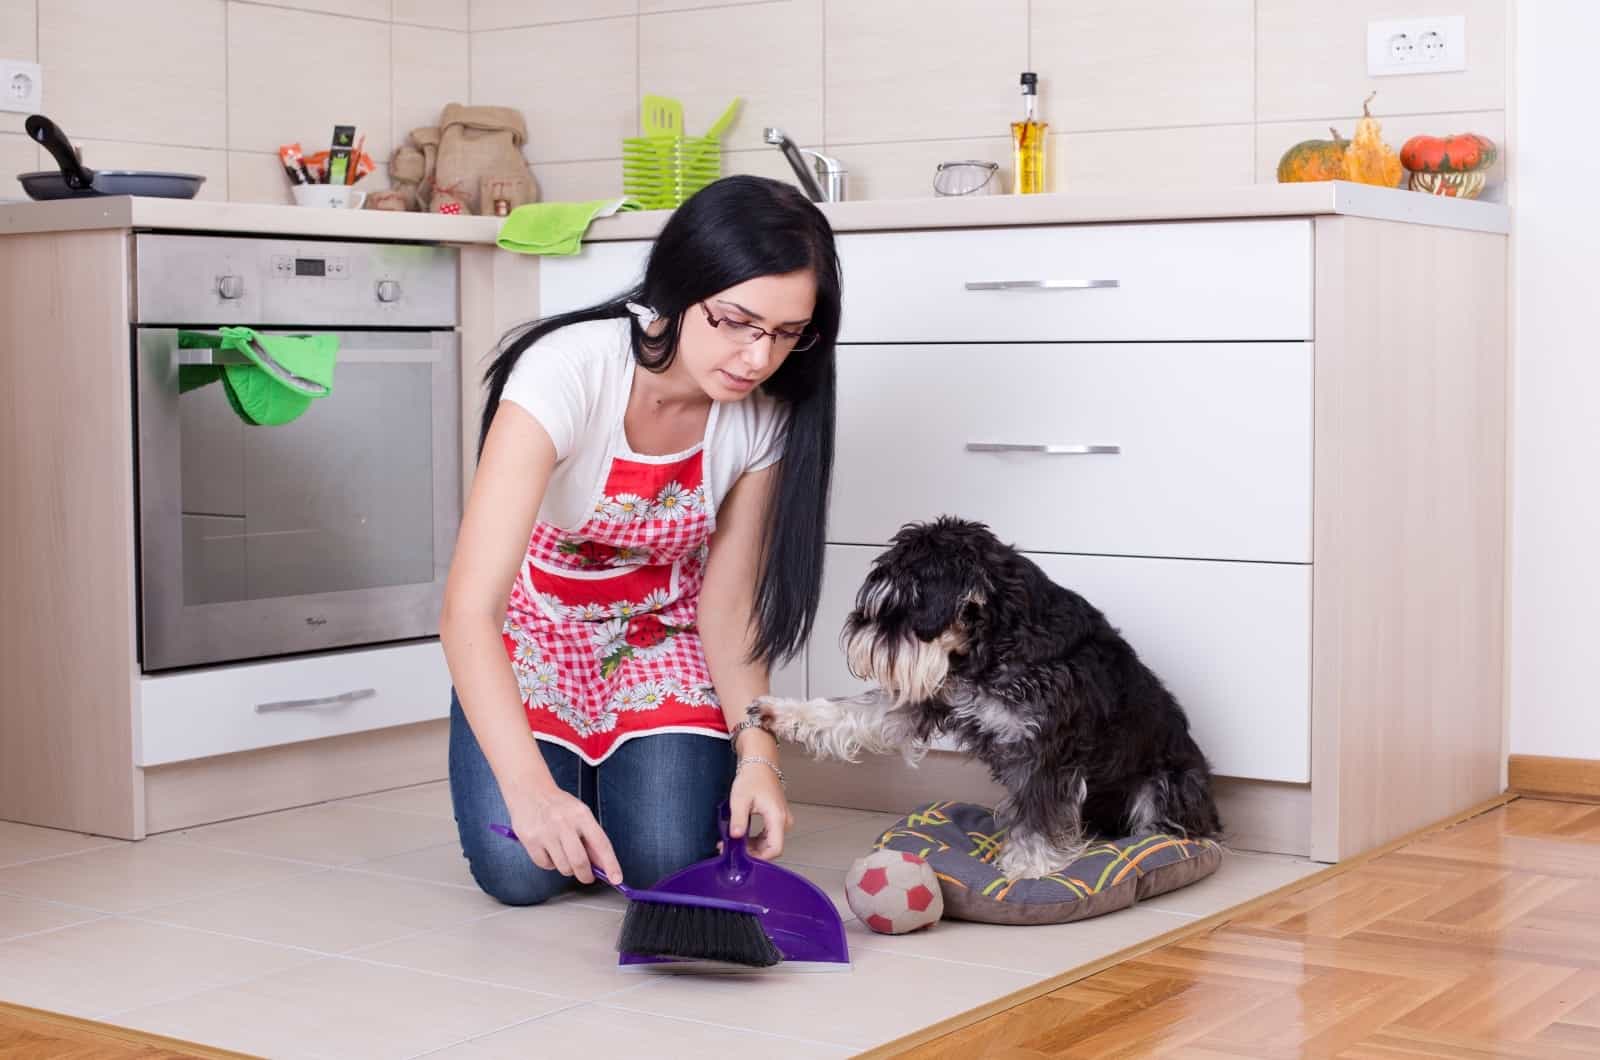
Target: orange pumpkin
[(1313, 160), (1461, 153)]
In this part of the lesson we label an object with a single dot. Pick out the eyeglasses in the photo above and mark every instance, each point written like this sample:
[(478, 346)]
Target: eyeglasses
[(746, 334)]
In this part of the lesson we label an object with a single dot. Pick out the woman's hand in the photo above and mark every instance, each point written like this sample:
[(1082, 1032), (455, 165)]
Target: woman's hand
[(560, 833), (756, 789)]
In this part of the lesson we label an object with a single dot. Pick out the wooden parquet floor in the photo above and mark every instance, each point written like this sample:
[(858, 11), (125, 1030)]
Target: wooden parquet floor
[(1480, 941)]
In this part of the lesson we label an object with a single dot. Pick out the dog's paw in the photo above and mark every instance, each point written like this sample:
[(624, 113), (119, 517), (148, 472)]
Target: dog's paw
[(1028, 857)]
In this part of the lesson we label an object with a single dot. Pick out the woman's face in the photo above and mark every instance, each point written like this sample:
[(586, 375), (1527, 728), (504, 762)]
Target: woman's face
[(728, 359)]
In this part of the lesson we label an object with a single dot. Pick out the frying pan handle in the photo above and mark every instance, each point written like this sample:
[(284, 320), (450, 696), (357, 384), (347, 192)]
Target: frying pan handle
[(49, 136)]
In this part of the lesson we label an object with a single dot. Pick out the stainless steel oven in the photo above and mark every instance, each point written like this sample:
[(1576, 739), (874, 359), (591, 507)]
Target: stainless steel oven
[(332, 530)]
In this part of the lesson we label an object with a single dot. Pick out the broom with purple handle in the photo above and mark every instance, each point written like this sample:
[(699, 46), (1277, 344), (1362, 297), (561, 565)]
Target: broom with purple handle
[(688, 926)]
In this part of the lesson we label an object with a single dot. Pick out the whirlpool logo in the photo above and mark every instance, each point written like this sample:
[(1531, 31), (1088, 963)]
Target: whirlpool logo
[(316, 620)]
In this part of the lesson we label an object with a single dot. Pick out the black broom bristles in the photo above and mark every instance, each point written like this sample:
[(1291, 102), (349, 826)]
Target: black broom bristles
[(659, 929)]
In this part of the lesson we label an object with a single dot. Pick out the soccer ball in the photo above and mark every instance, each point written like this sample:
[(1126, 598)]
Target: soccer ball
[(893, 892)]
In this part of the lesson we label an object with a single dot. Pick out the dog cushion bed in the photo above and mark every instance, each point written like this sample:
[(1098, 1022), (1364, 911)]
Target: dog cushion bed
[(960, 841)]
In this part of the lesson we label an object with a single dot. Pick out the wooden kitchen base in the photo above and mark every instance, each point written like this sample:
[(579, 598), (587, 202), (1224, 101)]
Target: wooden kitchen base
[(1259, 814), (299, 774)]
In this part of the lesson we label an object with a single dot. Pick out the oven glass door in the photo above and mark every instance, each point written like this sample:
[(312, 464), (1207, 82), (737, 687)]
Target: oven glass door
[(332, 530)]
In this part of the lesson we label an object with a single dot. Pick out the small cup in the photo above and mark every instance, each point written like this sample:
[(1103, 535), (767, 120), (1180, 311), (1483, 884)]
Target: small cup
[(329, 196)]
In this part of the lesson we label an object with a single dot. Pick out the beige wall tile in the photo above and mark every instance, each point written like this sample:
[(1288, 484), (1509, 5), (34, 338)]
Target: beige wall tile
[(338, 74), (922, 69), (1313, 59), (430, 70), (101, 81), (1273, 139), (906, 170), (17, 155), (1153, 159), (370, 9), (770, 54), (579, 181), (440, 14), (575, 83), (1129, 64), (19, 39), (762, 162), (257, 177), (211, 163), (506, 14), (19, 30)]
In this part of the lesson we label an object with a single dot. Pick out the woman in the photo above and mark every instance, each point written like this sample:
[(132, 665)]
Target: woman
[(651, 493)]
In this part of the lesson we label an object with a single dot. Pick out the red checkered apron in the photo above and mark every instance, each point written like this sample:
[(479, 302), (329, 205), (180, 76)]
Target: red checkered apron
[(601, 622)]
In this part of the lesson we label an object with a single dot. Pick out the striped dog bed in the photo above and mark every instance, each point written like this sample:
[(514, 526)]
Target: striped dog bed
[(960, 840)]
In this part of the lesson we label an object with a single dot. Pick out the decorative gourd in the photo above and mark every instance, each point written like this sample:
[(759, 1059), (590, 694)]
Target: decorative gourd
[(1313, 160), (1456, 166), (1369, 160)]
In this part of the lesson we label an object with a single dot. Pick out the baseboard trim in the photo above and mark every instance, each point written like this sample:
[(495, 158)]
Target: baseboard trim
[(1546, 775), (1259, 814), (185, 794), (89, 1038)]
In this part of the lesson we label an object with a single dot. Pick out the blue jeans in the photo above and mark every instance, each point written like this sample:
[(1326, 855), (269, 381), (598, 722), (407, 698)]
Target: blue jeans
[(656, 798)]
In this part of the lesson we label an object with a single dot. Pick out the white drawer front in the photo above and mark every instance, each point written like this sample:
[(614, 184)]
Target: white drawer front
[(600, 271), (1231, 640), (201, 713), (1213, 440), (1199, 280)]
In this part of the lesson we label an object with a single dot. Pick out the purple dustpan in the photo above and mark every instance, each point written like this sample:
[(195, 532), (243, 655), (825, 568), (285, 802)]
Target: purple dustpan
[(800, 919)]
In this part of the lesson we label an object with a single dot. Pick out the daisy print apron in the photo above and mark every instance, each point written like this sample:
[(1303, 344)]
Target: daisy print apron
[(600, 626)]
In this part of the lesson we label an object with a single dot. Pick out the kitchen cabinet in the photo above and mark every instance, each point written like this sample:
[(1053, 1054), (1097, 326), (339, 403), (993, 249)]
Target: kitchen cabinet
[(1231, 436)]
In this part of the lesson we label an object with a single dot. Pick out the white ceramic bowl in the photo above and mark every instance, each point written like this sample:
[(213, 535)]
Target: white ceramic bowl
[(329, 196)]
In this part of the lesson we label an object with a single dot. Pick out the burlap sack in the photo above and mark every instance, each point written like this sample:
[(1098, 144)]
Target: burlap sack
[(479, 147)]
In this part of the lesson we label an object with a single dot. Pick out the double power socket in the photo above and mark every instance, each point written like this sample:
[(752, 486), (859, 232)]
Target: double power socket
[(1435, 45)]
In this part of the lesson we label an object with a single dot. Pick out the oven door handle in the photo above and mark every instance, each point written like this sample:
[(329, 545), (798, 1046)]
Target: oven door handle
[(343, 699)]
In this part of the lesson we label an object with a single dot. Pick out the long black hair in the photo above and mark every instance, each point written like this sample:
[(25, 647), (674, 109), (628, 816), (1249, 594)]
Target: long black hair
[(734, 230)]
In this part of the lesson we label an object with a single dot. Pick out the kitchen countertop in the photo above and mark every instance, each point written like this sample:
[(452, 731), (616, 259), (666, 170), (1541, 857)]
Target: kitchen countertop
[(1256, 200)]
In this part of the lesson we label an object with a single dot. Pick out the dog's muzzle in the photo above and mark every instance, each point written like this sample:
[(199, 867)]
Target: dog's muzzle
[(909, 670)]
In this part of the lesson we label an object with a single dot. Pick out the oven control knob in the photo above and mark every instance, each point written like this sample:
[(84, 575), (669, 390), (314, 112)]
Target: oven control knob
[(230, 287), (388, 291)]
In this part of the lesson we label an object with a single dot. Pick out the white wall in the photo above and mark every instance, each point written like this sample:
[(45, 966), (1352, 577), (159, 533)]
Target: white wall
[(1555, 605)]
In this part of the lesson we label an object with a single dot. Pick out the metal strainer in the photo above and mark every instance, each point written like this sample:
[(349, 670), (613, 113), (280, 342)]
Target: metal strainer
[(969, 177)]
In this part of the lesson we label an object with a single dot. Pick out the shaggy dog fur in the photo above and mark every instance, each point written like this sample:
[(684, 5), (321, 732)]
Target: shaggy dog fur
[(967, 638)]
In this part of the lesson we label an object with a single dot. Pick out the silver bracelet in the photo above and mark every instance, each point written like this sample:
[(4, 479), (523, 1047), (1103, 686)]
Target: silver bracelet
[(748, 723), (758, 760)]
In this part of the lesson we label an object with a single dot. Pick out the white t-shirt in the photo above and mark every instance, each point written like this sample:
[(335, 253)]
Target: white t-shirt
[(576, 381)]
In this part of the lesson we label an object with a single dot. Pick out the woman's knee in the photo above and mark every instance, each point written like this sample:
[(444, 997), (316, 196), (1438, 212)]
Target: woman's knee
[(511, 878)]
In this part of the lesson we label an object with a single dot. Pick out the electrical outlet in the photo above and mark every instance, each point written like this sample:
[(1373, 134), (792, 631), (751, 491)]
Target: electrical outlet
[(1435, 45), (21, 86)]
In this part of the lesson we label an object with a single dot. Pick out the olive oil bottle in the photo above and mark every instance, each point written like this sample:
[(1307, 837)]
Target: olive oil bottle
[(1028, 143)]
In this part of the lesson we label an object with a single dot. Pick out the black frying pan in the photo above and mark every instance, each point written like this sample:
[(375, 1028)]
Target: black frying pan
[(74, 181)]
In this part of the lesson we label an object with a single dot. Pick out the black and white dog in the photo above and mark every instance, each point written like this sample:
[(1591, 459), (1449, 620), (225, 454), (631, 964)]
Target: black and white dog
[(965, 637)]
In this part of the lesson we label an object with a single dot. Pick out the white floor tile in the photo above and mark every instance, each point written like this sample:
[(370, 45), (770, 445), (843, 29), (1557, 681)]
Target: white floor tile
[(113, 964), (345, 1009), (328, 834)]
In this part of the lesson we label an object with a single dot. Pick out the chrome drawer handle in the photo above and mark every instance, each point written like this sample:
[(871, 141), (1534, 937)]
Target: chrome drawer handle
[(340, 700), (1048, 450), (1039, 285)]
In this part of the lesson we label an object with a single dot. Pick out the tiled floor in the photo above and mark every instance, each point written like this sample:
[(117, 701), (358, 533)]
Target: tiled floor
[(352, 929)]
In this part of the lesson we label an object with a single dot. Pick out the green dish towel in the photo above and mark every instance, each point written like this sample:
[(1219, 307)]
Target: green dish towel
[(282, 376), (555, 228)]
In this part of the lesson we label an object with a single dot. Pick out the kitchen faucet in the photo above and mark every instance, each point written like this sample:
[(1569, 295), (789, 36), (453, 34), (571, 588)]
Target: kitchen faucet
[(826, 184)]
